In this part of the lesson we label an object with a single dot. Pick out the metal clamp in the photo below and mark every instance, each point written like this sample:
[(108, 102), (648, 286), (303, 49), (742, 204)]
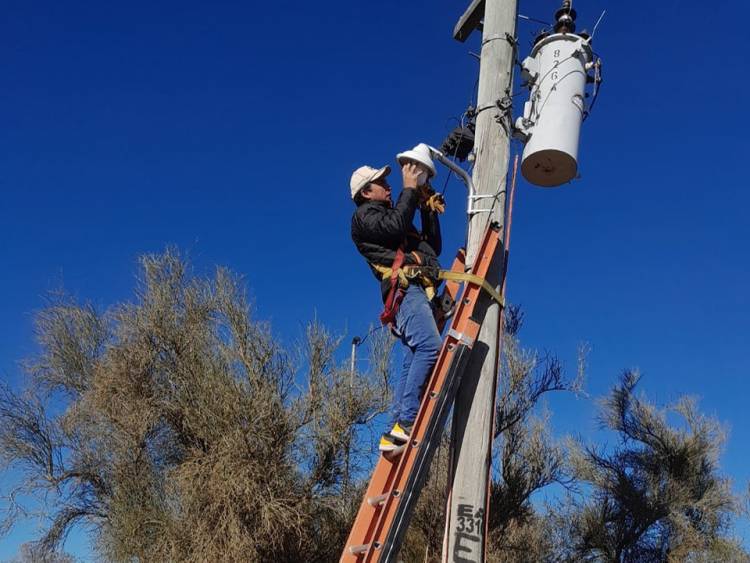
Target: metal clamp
[(471, 210), (461, 173), (461, 337)]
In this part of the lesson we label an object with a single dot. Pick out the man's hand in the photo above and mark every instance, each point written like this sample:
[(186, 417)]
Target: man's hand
[(428, 199), (410, 173), (435, 203)]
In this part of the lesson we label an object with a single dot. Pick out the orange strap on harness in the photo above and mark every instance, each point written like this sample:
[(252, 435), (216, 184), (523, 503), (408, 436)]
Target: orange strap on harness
[(396, 293)]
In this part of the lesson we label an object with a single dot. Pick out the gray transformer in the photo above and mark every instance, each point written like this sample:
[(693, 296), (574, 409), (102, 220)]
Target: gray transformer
[(556, 72)]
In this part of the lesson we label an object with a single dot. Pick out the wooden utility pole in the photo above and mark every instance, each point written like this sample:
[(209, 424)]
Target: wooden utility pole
[(471, 434)]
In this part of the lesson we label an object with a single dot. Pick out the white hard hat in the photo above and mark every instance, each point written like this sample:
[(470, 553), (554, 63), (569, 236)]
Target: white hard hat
[(366, 174), (420, 154)]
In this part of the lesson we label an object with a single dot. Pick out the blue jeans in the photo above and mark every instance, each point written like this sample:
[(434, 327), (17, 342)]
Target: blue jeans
[(416, 328)]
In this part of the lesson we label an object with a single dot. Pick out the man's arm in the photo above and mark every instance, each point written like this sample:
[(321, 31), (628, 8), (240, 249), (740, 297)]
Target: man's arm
[(376, 254), (384, 225), (388, 227)]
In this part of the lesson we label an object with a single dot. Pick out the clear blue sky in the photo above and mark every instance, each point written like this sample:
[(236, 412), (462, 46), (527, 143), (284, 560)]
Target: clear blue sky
[(230, 129)]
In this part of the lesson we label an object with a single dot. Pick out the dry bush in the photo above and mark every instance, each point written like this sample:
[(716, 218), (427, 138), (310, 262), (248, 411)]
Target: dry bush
[(31, 553), (177, 429), (658, 496)]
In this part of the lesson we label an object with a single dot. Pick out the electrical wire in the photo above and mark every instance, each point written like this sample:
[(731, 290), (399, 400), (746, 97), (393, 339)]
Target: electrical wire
[(534, 20), (597, 87), (508, 224), (373, 331), (549, 94), (593, 32), (445, 184)]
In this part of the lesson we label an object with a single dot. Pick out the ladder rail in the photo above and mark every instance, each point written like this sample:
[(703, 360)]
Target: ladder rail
[(418, 475), (464, 331)]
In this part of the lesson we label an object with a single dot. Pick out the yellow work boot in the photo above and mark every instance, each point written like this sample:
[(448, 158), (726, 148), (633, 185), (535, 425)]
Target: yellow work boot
[(401, 431), (388, 443)]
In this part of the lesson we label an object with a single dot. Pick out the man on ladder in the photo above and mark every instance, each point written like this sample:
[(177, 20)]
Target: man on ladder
[(405, 260)]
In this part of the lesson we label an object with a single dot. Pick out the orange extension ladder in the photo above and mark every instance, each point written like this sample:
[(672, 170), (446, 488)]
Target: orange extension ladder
[(398, 477)]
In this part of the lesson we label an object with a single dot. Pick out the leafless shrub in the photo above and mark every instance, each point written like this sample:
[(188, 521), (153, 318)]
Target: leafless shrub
[(658, 495), (527, 375), (31, 553), (177, 429)]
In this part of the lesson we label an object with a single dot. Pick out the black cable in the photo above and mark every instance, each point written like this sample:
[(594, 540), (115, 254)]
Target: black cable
[(450, 172), (445, 185), (598, 82), (363, 340)]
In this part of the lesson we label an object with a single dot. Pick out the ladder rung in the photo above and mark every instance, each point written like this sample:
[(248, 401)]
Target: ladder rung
[(378, 500), (358, 549)]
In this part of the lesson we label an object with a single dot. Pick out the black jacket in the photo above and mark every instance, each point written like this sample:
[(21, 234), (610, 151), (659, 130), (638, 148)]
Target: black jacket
[(378, 230)]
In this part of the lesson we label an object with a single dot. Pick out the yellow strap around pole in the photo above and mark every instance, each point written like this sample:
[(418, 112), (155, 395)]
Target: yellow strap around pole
[(472, 278), (385, 272)]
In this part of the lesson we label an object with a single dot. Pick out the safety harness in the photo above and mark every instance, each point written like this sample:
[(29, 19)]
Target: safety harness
[(401, 276), (396, 292)]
